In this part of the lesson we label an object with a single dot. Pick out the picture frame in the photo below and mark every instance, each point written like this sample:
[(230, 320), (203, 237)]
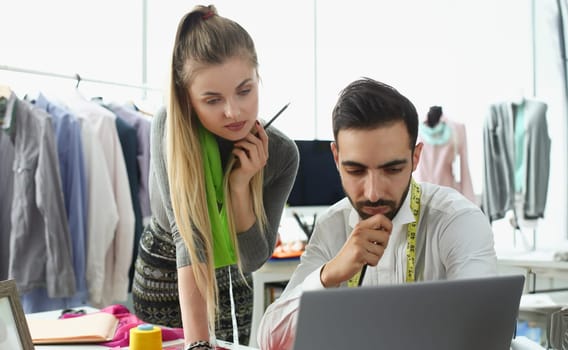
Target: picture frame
[(14, 331)]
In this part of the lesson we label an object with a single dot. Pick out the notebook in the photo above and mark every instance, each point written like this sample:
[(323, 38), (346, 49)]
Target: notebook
[(467, 314), (92, 328)]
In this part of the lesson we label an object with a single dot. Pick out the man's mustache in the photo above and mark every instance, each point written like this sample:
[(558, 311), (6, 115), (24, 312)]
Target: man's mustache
[(379, 203)]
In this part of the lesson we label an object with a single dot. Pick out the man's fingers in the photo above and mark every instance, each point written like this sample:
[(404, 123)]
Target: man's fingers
[(373, 256), (377, 222), (376, 249)]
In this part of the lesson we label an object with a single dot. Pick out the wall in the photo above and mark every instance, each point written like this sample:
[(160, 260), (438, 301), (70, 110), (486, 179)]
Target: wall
[(462, 55)]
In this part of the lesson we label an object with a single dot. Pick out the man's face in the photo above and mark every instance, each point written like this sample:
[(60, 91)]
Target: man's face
[(376, 167)]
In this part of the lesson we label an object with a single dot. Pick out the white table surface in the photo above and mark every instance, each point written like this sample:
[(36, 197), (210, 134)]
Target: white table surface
[(169, 345), (524, 343), (520, 343)]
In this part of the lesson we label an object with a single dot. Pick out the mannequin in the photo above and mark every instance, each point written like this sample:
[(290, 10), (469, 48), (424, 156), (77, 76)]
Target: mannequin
[(444, 155), (517, 162), (433, 116), (519, 126)]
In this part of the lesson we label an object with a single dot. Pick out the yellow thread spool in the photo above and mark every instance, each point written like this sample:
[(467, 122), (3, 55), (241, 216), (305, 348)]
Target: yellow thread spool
[(145, 337)]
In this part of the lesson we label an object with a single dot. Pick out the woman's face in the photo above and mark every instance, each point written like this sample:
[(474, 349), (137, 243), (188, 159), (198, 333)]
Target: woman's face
[(225, 98)]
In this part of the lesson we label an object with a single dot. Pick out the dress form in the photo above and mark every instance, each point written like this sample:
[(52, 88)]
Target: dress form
[(518, 220)]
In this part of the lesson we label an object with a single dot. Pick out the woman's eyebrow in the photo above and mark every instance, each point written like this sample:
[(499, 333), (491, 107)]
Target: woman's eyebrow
[(244, 82), (213, 93)]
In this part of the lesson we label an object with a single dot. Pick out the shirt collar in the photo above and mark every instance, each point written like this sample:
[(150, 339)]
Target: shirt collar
[(403, 217)]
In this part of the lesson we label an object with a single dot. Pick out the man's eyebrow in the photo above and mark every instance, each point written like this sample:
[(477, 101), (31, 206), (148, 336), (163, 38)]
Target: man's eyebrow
[(212, 93), (352, 163), (393, 163), (385, 165)]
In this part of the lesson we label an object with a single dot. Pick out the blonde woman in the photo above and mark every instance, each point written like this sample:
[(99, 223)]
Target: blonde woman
[(219, 183)]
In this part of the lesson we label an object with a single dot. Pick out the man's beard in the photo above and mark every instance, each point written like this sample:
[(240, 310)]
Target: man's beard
[(394, 208)]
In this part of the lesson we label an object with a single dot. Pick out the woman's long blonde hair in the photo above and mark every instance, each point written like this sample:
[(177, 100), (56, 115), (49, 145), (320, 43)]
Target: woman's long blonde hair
[(203, 38)]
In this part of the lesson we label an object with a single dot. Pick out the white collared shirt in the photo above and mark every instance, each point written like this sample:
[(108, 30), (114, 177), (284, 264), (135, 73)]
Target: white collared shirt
[(458, 243), (391, 269), (118, 251)]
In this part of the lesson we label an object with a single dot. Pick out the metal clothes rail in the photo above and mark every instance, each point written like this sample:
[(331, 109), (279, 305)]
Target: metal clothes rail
[(77, 78)]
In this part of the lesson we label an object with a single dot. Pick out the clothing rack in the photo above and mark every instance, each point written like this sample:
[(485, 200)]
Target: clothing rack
[(77, 77)]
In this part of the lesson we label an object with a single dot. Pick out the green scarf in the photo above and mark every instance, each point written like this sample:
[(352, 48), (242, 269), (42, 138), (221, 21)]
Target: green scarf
[(223, 250)]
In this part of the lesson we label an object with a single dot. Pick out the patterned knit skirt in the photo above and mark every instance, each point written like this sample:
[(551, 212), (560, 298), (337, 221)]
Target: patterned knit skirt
[(155, 291)]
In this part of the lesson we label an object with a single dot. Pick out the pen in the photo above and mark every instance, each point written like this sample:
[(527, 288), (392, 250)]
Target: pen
[(299, 221), (363, 270), (267, 125), (313, 226), (276, 116)]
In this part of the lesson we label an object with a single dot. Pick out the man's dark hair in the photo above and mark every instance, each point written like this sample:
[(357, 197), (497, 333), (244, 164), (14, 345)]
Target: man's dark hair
[(368, 104)]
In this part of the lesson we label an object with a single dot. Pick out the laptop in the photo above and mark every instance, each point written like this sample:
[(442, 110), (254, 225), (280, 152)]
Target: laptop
[(466, 314)]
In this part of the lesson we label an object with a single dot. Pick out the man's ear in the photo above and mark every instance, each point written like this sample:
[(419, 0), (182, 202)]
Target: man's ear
[(416, 155), (335, 151)]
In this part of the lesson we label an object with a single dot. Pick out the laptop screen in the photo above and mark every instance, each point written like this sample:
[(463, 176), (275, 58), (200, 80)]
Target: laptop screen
[(467, 314)]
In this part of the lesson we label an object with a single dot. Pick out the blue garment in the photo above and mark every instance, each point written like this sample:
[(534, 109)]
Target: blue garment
[(73, 181), (437, 135), (129, 143), (520, 127), (142, 126)]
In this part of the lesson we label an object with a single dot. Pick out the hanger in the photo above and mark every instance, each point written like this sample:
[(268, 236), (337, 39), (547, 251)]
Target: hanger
[(78, 77), (137, 108)]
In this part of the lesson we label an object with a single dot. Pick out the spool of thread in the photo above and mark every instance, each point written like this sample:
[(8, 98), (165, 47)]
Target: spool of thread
[(145, 337)]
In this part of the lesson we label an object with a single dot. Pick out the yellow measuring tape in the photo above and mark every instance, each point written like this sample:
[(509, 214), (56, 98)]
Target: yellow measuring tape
[(410, 238)]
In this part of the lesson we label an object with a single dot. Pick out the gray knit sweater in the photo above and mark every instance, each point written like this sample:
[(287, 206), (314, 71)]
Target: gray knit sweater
[(279, 175)]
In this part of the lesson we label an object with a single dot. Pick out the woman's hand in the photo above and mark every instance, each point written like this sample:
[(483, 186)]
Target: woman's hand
[(252, 155)]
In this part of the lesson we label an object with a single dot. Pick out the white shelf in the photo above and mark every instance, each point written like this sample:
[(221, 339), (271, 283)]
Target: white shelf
[(272, 271)]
